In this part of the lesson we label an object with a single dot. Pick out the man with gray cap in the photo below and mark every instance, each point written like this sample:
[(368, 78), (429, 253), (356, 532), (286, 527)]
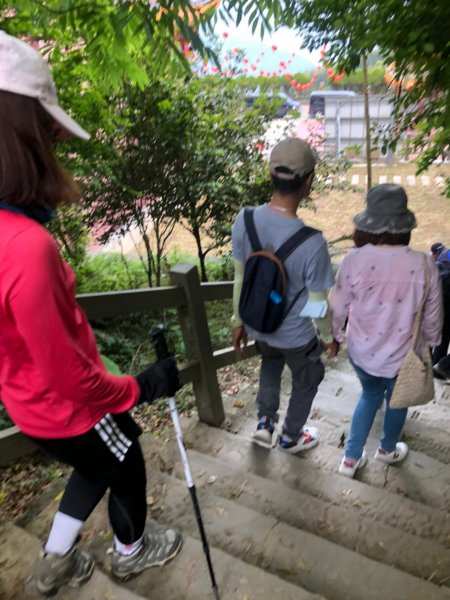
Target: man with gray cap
[(306, 268)]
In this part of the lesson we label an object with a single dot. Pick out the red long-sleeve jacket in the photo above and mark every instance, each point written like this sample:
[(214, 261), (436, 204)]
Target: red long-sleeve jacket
[(52, 381)]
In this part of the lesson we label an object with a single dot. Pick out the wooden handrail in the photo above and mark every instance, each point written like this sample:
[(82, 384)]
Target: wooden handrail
[(189, 297), (112, 304)]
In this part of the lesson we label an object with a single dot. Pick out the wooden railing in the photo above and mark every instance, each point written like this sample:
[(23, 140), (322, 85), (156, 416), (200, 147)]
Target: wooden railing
[(189, 297)]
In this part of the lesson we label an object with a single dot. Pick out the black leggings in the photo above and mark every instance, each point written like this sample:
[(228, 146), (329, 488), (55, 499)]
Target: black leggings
[(96, 470)]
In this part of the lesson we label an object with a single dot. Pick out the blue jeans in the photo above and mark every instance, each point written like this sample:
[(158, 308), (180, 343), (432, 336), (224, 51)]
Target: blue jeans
[(374, 391)]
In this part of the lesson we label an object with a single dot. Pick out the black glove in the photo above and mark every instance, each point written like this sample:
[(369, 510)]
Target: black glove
[(160, 380)]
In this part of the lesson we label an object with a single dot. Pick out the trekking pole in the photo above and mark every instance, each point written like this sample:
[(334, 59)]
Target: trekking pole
[(158, 339)]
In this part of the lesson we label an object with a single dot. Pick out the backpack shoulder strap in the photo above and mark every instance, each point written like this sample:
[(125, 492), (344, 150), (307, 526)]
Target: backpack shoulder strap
[(249, 221), (291, 244)]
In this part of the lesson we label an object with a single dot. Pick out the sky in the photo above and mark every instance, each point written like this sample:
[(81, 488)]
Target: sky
[(287, 42)]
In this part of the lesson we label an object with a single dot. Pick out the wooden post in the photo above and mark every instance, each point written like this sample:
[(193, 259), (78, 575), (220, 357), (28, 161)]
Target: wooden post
[(197, 340), (367, 120)]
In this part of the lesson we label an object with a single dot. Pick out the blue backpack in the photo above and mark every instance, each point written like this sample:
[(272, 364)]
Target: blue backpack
[(263, 301)]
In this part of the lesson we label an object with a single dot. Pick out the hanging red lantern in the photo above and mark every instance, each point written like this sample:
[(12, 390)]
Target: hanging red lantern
[(274, 48), (225, 34), (339, 77)]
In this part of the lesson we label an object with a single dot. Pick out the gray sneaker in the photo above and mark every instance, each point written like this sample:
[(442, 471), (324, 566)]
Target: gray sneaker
[(158, 548), (53, 571)]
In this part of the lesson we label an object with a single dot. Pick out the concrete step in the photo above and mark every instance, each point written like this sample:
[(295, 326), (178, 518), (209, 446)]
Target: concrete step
[(426, 429), (341, 389), (18, 551), (420, 477), (420, 437), (339, 524), (376, 503), (295, 555), (185, 578)]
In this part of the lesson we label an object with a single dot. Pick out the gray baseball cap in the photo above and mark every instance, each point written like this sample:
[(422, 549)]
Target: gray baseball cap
[(292, 158)]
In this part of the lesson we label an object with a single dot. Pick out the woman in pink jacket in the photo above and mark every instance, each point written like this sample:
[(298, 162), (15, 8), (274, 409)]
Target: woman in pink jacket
[(379, 289), (52, 381)]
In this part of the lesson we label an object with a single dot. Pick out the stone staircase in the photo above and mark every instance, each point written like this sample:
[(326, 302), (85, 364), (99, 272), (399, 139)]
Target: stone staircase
[(282, 526)]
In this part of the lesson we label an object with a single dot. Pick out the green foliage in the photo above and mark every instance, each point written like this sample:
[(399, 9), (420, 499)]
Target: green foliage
[(225, 168), (124, 340), (110, 272), (69, 229), (186, 151), (111, 42), (113, 272), (355, 80), (111, 366), (413, 35), (5, 421)]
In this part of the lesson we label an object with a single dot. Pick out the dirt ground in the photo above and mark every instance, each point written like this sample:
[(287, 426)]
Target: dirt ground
[(333, 211)]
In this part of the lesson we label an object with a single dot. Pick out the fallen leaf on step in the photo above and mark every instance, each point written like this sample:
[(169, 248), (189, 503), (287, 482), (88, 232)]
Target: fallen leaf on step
[(302, 566), (339, 391), (315, 414), (238, 403), (151, 501), (212, 479)]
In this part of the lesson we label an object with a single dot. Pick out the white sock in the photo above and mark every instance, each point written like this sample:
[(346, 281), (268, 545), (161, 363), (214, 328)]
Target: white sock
[(64, 532), (128, 549)]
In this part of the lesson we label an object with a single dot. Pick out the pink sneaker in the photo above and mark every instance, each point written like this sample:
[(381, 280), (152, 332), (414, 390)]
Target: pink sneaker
[(349, 466)]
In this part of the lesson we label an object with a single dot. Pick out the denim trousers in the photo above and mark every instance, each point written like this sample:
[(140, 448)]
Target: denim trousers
[(374, 391), (307, 372)]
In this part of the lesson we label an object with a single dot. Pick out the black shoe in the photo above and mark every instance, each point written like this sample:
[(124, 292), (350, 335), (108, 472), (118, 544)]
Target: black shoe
[(439, 373)]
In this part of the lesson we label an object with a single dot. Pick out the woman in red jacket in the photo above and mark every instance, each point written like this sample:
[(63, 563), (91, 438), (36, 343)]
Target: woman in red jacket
[(52, 381)]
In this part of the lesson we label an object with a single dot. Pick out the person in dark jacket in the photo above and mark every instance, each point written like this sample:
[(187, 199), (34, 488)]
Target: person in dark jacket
[(441, 359)]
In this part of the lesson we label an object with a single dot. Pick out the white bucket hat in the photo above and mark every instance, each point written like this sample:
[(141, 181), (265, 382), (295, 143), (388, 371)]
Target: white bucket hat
[(24, 71)]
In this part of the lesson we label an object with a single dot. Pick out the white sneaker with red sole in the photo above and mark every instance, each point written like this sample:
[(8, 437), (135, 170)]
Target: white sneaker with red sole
[(349, 466)]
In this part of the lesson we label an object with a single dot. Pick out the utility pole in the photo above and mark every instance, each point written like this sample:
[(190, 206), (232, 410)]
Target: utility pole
[(367, 120)]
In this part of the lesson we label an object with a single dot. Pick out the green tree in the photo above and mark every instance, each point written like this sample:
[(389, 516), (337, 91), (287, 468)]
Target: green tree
[(134, 190), (224, 167), (122, 41), (186, 151), (413, 35)]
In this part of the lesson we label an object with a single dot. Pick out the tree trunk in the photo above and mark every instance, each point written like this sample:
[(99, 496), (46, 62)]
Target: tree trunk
[(148, 249), (201, 254), (159, 252), (367, 119)]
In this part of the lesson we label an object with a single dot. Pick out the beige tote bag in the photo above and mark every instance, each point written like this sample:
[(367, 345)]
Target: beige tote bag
[(415, 384)]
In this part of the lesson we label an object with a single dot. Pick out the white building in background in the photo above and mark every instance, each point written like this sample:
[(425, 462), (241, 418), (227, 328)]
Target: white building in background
[(343, 114)]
